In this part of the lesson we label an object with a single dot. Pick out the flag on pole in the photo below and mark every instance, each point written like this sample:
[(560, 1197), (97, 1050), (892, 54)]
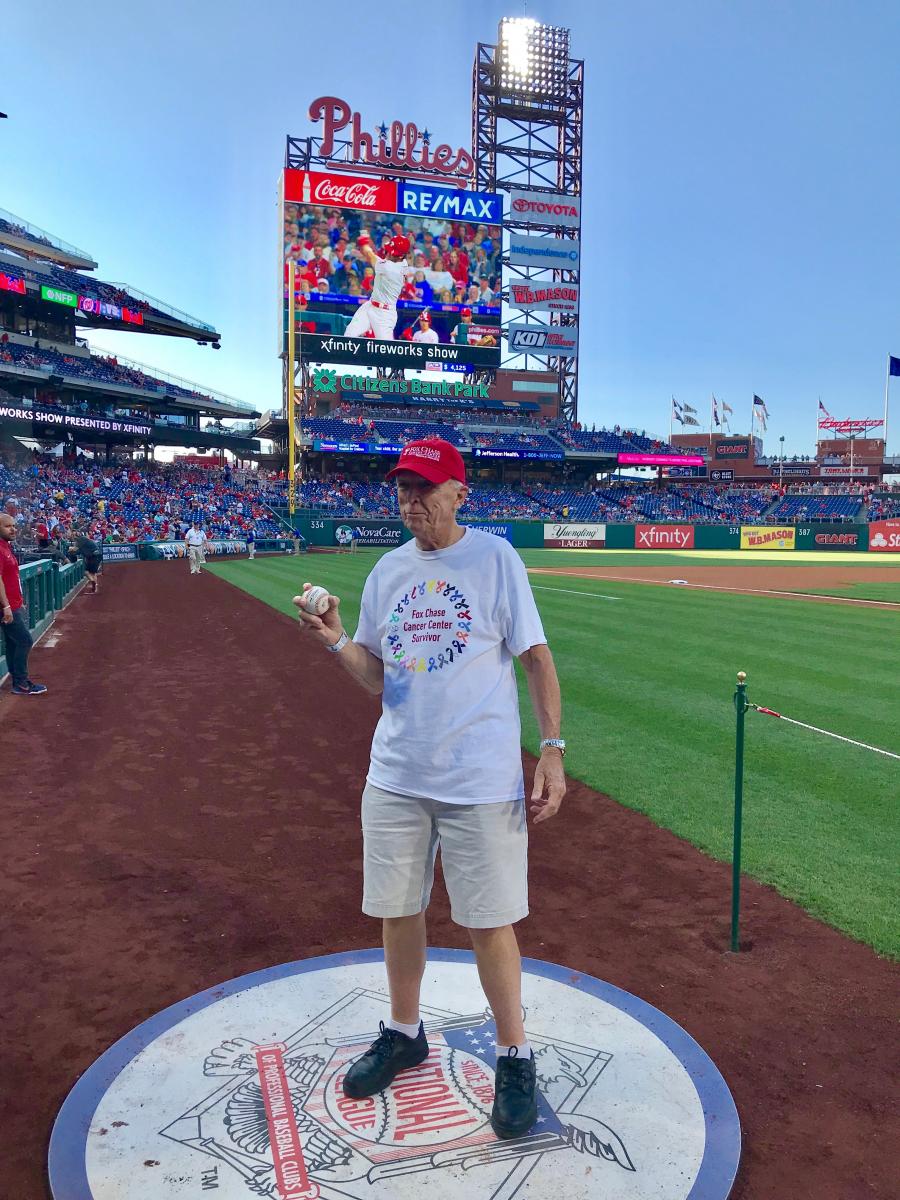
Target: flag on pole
[(689, 420), (688, 409), (715, 412), (676, 411), (726, 408), (760, 412), (894, 366), (823, 409)]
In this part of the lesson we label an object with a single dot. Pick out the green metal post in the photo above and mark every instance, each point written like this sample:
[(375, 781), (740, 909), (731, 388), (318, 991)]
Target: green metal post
[(740, 705)]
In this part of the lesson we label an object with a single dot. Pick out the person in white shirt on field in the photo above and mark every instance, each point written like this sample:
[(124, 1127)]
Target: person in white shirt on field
[(378, 315), (425, 333), (442, 619), (196, 541)]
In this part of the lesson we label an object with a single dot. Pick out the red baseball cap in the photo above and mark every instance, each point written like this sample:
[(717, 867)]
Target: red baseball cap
[(433, 459), (466, 312)]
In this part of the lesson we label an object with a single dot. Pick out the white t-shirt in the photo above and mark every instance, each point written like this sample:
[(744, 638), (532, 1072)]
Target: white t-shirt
[(425, 335), (195, 537), (439, 280), (389, 280), (447, 624)]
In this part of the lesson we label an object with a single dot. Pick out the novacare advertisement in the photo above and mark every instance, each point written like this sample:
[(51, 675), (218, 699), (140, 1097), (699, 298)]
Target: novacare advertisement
[(574, 537), (369, 533), (768, 537)]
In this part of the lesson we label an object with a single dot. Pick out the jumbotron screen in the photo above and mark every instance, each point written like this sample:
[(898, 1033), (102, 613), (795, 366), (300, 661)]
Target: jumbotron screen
[(392, 274)]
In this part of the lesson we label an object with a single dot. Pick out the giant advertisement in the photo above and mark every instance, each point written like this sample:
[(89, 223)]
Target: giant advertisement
[(547, 253), (884, 537), (768, 537), (392, 274)]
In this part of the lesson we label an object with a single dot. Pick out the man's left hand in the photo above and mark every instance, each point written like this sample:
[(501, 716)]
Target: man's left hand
[(549, 786)]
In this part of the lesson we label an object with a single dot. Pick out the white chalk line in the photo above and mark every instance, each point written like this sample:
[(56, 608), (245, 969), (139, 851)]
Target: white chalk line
[(718, 587), (571, 592)]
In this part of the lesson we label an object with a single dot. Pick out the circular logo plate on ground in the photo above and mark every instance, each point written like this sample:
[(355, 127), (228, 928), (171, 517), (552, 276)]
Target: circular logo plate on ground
[(237, 1092)]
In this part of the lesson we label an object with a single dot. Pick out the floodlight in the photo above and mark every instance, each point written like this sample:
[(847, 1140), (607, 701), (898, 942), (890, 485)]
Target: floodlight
[(533, 58)]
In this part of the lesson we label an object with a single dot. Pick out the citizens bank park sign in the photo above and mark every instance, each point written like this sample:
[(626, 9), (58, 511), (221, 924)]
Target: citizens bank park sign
[(533, 296)]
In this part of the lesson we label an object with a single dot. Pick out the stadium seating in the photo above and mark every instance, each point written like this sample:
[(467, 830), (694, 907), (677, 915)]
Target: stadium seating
[(883, 508), (397, 431), (816, 508)]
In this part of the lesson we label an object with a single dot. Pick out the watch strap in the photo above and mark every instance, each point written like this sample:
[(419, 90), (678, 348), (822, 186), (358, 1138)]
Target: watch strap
[(339, 644)]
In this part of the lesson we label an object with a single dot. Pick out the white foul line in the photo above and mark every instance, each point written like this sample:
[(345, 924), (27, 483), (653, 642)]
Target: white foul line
[(569, 592)]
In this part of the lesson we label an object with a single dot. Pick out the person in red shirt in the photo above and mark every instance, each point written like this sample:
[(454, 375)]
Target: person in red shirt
[(16, 638)]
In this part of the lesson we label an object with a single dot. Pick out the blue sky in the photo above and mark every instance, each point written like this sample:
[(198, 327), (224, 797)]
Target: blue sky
[(741, 187)]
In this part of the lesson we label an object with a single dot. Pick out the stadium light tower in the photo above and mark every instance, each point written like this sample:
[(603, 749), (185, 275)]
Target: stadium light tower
[(528, 118)]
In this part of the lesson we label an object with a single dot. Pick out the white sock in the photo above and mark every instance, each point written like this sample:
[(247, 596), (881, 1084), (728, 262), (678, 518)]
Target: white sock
[(523, 1051), (411, 1031)]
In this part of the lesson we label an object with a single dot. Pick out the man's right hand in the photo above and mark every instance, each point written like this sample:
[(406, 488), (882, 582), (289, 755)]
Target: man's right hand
[(326, 629)]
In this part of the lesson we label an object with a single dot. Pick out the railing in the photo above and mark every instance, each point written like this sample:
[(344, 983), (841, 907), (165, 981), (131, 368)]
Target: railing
[(178, 313), (154, 373), (45, 587), (35, 232)]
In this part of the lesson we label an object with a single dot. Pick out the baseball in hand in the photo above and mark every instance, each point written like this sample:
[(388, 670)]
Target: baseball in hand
[(315, 601)]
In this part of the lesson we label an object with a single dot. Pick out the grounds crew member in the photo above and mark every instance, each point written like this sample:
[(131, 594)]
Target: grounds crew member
[(16, 636), (195, 540), (90, 552), (441, 620)]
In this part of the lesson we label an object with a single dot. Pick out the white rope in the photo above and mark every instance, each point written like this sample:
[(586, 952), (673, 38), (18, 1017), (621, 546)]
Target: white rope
[(770, 712)]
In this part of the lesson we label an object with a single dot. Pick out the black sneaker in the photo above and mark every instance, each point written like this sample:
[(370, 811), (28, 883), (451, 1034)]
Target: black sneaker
[(29, 689), (515, 1099), (390, 1053)]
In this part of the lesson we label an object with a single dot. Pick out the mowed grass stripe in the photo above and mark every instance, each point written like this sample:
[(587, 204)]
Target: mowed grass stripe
[(647, 689)]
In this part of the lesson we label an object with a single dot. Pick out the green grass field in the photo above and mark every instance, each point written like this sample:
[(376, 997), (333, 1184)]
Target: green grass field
[(648, 676)]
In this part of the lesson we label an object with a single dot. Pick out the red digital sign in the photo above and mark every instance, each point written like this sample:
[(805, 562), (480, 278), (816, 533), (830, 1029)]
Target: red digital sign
[(339, 191), (9, 283), (661, 460)]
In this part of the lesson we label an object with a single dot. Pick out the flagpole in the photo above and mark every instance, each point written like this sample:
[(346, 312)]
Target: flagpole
[(671, 419), (887, 385)]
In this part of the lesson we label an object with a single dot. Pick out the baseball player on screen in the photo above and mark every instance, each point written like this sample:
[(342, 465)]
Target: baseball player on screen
[(378, 315)]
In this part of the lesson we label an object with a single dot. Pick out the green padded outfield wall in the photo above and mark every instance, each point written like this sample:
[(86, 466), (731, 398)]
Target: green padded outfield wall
[(619, 537), (833, 537), (717, 537)]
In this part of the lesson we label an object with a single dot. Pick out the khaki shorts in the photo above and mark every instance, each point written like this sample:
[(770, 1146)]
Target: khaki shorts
[(484, 855)]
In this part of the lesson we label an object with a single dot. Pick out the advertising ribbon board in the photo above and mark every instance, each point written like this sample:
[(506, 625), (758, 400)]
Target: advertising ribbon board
[(548, 253), (65, 420), (664, 537), (574, 537), (768, 537), (884, 537), (544, 208)]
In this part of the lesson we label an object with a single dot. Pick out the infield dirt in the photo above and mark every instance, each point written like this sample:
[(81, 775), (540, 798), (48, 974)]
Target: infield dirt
[(182, 808)]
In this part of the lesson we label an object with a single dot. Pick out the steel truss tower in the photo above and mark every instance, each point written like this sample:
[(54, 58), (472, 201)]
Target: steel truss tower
[(527, 123)]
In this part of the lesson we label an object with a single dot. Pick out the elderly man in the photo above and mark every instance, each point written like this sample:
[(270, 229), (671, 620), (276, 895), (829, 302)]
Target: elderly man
[(16, 636), (442, 619)]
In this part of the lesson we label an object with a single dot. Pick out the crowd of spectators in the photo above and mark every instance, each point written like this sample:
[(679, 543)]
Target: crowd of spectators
[(124, 503), (453, 262)]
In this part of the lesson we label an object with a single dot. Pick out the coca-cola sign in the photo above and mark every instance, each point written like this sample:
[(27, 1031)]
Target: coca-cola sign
[(398, 146), (339, 191)]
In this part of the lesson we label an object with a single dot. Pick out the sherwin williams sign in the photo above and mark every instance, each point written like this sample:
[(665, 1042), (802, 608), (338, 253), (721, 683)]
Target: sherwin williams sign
[(58, 296), (574, 537), (768, 537), (664, 537), (504, 531)]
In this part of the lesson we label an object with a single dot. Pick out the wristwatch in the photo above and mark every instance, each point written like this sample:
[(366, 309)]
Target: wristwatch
[(556, 743), (339, 644)]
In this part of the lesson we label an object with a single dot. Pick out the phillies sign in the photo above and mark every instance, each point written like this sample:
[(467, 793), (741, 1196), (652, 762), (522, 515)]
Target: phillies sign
[(530, 296), (397, 146), (545, 208)]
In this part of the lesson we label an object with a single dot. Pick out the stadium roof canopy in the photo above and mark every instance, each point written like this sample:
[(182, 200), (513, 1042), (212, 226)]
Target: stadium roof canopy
[(28, 239)]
